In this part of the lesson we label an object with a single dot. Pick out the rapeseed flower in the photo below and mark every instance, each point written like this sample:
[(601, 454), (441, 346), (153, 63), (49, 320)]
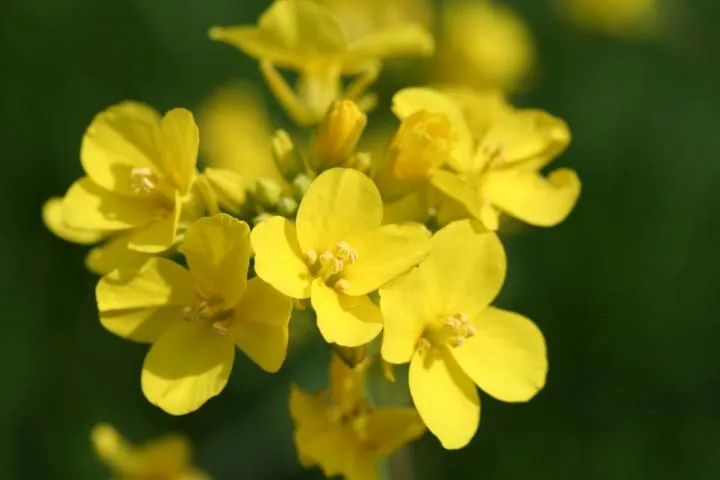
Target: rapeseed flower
[(342, 432), (337, 252), (166, 458), (437, 318), (208, 309), (305, 36), (140, 168)]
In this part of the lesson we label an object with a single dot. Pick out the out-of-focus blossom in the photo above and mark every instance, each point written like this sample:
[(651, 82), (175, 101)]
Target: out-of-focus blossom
[(626, 18)]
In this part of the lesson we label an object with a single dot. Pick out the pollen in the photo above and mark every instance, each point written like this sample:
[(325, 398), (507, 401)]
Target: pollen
[(142, 180)]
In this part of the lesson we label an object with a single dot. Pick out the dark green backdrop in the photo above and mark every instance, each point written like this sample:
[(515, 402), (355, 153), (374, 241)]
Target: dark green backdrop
[(626, 290)]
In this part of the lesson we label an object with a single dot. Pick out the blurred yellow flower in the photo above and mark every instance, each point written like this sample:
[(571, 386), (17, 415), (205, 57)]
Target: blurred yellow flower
[(627, 18), (140, 168), (305, 36), (337, 252), (167, 458), (208, 310), (437, 318), (337, 136), (483, 44), (342, 433)]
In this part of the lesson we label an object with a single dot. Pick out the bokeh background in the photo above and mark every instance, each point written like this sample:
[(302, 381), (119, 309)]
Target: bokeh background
[(626, 290)]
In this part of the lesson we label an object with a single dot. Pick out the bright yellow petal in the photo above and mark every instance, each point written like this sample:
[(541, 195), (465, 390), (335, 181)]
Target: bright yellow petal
[(114, 254), (119, 139), (180, 140), (410, 100), (465, 269), (52, 215), (217, 250), (289, 33), (408, 40), (384, 254), (391, 428), (461, 190), (160, 234), (406, 312), (116, 452), (168, 455), (339, 204), (143, 325), (528, 196), (507, 357), (410, 208), (278, 259), (445, 398), (347, 321), (159, 283), (180, 383), (260, 325), (361, 466), (89, 207)]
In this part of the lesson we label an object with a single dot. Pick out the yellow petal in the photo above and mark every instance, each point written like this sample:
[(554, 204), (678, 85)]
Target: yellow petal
[(119, 139), (406, 40), (159, 283), (278, 259), (528, 196), (506, 357), (260, 325), (461, 190), (160, 234), (391, 428), (345, 320), (114, 254), (52, 215), (384, 254), (465, 269), (406, 311), (410, 208), (143, 325), (217, 250), (178, 382), (116, 452), (89, 207), (168, 455), (180, 142), (410, 100), (339, 204), (445, 398), (289, 33), (347, 385)]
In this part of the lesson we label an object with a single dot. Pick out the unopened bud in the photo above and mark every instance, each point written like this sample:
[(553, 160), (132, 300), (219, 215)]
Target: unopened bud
[(229, 188), (361, 161), (287, 158), (300, 186), (337, 135), (423, 142), (287, 206), (268, 192)]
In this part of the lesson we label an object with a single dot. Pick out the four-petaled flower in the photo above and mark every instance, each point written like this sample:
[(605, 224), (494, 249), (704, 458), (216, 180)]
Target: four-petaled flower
[(337, 252), (437, 318), (195, 318)]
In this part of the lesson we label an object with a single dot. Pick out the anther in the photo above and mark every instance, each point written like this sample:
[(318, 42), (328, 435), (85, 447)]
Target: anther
[(346, 252), (463, 317), (342, 285), (220, 329), (142, 180), (311, 257), (187, 313), (470, 331), (423, 344), (452, 322), (457, 341)]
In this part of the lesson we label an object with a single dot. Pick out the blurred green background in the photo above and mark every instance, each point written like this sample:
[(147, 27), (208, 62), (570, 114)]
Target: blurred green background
[(626, 290)]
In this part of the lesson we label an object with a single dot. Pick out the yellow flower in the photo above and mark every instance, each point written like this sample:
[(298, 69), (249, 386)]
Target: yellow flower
[(337, 136), (140, 168), (484, 44), (342, 433), (167, 458), (304, 36), (501, 171), (208, 310), (627, 18), (437, 318), (337, 253)]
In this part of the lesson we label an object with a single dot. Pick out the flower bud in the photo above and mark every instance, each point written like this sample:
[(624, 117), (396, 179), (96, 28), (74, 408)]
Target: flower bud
[(268, 192), (287, 206), (287, 158), (229, 188), (300, 185), (423, 142), (338, 135)]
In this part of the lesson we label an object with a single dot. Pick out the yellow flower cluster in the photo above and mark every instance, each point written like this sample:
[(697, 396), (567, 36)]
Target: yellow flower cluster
[(394, 250)]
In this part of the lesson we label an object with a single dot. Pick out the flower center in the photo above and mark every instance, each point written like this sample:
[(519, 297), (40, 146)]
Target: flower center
[(330, 264), (210, 309), (143, 180), (356, 418), (450, 331)]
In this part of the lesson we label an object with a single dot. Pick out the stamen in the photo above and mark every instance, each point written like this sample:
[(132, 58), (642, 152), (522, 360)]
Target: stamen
[(220, 329), (470, 331), (187, 313), (346, 253), (457, 341), (423, 344), (463, 317), (342, 285), (311, 257), (452, 322), (326, 258), (142, 180)]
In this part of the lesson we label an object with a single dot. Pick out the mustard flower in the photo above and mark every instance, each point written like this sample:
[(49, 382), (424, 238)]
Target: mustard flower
[(341, 432), (140, 168), (337, 136), (305, 36), (437, 318), (167, 458), (337, 252), (208, 309)]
